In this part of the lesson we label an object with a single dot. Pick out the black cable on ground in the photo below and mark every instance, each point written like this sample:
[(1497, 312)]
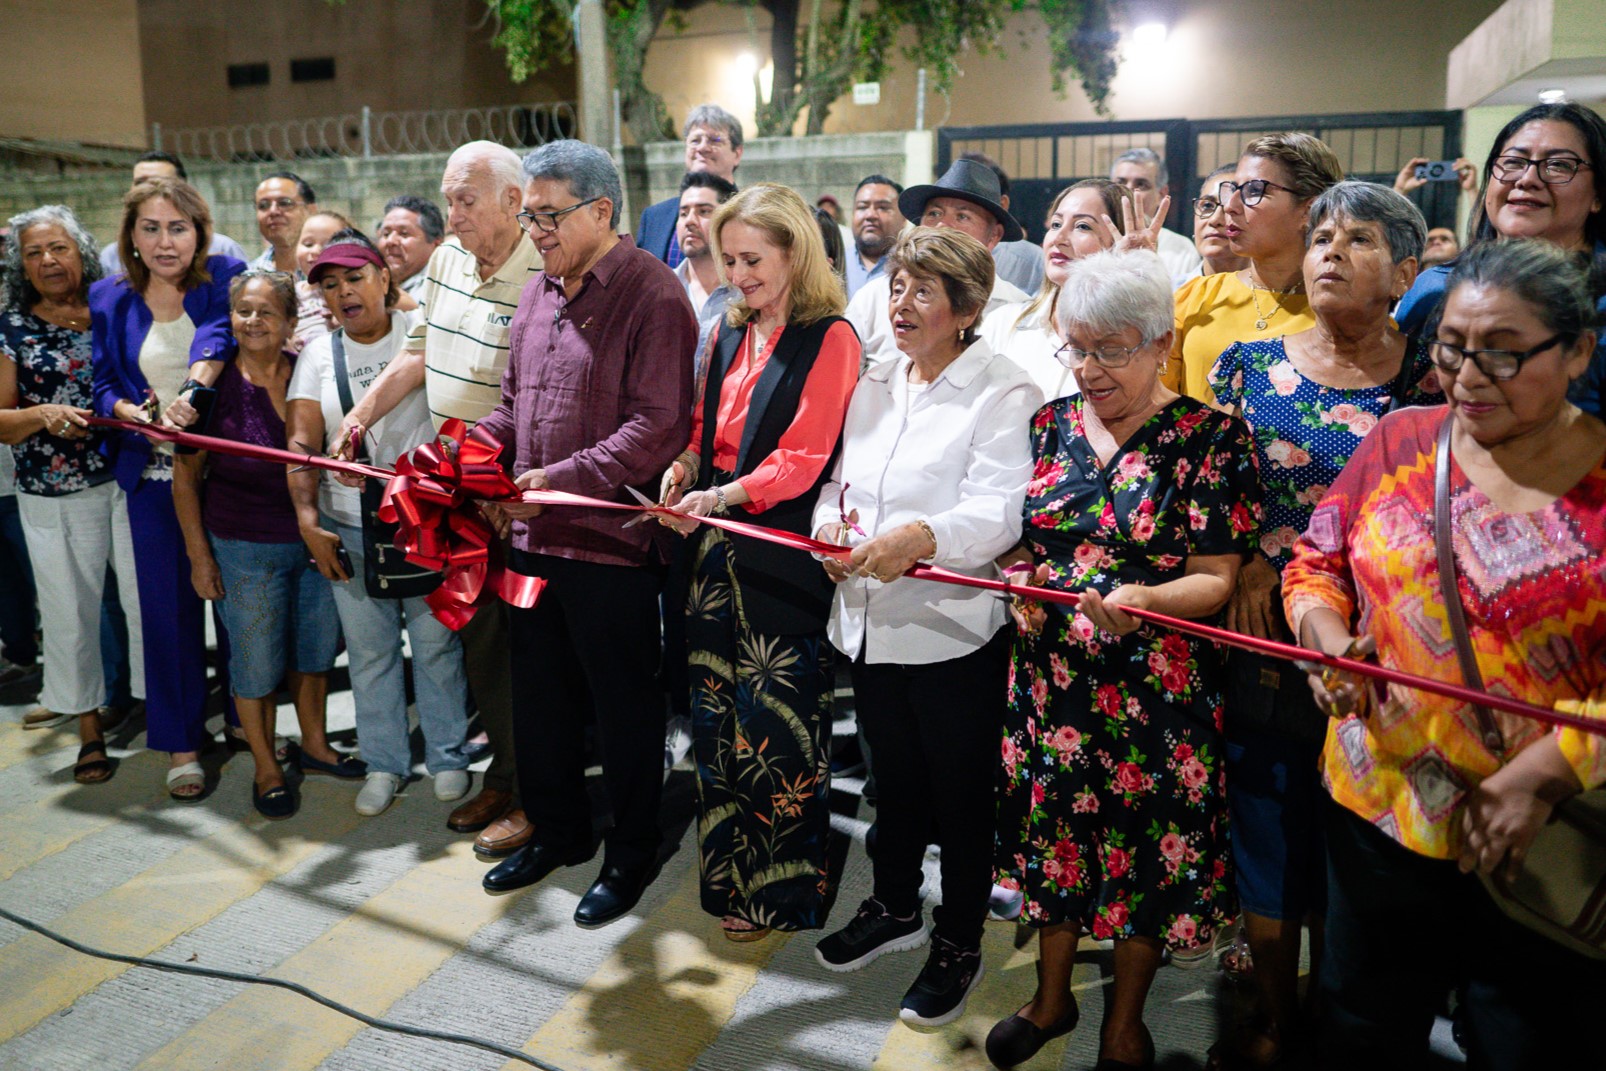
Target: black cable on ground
[(280, 983)]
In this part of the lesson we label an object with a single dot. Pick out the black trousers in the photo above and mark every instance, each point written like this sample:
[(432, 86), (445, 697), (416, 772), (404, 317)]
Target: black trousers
[(592, 638), (1403, 930), (934, 730)]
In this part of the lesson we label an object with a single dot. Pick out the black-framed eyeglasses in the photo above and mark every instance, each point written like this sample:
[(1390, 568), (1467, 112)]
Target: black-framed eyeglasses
[(1253, 191), (1496, 364), (1105, 356), (547, 222), (1205, 207), (1552, 170)]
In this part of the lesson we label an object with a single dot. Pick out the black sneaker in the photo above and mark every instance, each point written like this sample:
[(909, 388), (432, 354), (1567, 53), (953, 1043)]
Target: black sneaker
[(938, 996), (871, 934)]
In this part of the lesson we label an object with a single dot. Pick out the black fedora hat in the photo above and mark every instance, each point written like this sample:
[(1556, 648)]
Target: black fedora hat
[(969, 181)]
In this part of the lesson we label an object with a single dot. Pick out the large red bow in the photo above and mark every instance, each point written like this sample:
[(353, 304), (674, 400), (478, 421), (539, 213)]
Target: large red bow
[(432, 501)]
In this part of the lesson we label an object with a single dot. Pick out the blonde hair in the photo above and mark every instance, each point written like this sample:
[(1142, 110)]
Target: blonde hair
[(1112, 194), (815, 291), (962, 264), (1311, 166), (188, 202)]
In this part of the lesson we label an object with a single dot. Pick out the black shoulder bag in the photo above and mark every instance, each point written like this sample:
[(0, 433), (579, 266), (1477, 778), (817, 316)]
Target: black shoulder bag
[(386, 572)]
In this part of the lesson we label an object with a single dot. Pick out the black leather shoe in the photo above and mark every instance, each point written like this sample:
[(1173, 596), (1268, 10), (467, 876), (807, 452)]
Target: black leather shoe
[(1017, 1039), (529, 865), (614, 893)]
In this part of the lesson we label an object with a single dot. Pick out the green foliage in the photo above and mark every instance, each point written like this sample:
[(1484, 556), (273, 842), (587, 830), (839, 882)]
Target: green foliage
[(1083, 43)]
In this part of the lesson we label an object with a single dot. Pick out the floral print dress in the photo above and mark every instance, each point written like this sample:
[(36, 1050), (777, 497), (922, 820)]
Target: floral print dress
[(53, 367), (1305, 433), (1112, 812)]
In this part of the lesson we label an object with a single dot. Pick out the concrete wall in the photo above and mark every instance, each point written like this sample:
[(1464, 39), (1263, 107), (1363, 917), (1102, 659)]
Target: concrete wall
[(392, 55), (1222, 58), (359, 188), (72, 71)]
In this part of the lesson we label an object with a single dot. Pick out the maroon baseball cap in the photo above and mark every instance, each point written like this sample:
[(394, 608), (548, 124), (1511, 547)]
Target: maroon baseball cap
[(343, 255)]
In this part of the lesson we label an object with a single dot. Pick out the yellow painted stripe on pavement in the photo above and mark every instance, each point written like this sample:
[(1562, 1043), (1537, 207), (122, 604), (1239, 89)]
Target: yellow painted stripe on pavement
[(1010, 979), (19, 745), (369, 960), (660, 998), (155, 907), (59, 816)]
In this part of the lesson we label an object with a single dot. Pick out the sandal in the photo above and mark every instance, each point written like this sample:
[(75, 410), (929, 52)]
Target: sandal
[(186, 783), (90, 771), (737, 929)]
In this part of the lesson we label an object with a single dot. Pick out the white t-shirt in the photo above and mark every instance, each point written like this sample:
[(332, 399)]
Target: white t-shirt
[(1031, 345), (403, 428)]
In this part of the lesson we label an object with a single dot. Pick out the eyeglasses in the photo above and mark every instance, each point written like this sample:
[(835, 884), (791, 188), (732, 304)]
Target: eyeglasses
[(712, 141), (547, 222), (1205, 207), (1105, 356), (268, 204), (1496, 364), (1253, 191), (1552, 170)]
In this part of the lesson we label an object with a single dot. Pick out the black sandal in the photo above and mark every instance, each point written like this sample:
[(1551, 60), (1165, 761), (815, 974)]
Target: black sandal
[(88, 771)]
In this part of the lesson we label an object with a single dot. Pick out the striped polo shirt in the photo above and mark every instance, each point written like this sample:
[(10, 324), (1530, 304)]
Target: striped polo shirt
[(464, 333)]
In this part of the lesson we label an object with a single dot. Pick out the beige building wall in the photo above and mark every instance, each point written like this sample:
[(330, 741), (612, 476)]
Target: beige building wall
[(391, 55), (72, 71), (1221, 59)]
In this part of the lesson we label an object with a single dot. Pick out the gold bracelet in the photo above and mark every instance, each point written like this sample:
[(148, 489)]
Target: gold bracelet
[(926, 528)]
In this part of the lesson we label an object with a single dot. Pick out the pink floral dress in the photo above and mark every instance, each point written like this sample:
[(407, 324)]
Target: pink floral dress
[(1112, 811)]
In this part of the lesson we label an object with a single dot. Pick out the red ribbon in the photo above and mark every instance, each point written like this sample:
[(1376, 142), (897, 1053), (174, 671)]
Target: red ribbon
[(432, 493), (432, 500)]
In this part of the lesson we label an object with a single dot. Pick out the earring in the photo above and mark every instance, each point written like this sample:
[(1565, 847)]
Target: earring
[(1163, 366), (136, 254)]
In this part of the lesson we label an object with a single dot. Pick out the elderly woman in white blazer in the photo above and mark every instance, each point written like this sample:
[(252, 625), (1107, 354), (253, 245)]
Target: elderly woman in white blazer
[(934, 461)]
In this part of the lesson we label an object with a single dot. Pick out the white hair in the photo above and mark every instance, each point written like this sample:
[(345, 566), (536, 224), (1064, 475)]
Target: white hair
[(498, 162), (1111, 291)]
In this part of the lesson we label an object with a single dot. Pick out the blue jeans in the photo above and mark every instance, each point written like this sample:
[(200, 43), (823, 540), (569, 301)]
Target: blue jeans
[(373, 630), (18, 602), (279, 613)]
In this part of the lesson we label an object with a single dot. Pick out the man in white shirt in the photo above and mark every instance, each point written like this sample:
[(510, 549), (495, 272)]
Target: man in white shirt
[(701, 193), (457, 352), (1143, 172), (966, 198), (158, 164)]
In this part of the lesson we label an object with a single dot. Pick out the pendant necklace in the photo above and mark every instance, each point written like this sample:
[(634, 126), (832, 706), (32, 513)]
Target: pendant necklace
[(1262, 319)]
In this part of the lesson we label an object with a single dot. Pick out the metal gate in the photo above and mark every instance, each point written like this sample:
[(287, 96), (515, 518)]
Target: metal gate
[(1043, 159)]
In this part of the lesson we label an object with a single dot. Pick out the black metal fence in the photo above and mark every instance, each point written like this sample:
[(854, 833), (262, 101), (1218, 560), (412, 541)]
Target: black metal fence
[(1043, 159)]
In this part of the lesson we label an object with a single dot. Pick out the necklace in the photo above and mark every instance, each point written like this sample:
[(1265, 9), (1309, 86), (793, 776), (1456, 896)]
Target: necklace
[(1262, 318), (59, 314)]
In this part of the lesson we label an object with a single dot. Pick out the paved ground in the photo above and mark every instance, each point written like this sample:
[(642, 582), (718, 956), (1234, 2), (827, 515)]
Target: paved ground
[(387, 915)]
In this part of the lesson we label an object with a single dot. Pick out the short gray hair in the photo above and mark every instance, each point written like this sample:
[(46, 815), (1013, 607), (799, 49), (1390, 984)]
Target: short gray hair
[(19, 292), (1148, 158), (498, 162), (715, 118), (1110, 291), (586, 170), (1404, 229)]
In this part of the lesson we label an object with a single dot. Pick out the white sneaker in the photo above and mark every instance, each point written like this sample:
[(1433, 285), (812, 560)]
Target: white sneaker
[(451, 785), (378, 791), (1005, 904)]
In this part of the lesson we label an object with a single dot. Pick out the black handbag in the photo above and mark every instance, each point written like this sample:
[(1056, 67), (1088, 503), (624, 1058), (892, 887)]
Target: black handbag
[(386, 572), (1560, 892)]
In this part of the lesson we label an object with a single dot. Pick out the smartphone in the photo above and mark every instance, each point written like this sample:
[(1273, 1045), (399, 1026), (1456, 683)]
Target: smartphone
[(340, 556), (1437, 171)]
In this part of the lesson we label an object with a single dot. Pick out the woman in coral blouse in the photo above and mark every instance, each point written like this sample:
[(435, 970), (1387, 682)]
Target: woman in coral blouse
[(779, 375), (1422, 796)]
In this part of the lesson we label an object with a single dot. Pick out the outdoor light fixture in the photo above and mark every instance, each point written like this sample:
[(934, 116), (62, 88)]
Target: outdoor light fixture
[(1552, 96), (1149, 36)]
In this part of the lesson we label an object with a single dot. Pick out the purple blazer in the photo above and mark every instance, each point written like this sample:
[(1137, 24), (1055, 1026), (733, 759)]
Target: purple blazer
[(119, 322)]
